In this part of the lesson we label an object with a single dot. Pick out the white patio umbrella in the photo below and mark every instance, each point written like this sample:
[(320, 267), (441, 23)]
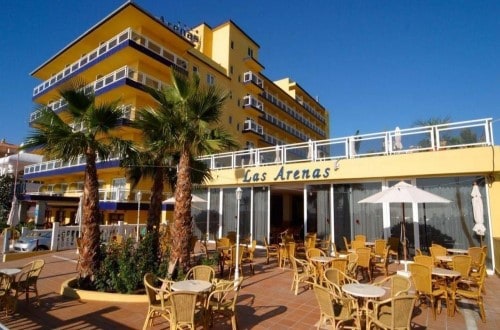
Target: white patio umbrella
[(79, 216), (397, 139), (277, 157), (403, 192), (477, 210), (194, 199), (13, 218)]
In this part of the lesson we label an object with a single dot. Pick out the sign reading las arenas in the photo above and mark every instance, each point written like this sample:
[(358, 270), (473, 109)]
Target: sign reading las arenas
[(254, 175)]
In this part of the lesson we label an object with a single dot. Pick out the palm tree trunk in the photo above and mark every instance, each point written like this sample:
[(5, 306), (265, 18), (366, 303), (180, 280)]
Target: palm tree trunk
[(154, 211), (181, 231), (90, 261)]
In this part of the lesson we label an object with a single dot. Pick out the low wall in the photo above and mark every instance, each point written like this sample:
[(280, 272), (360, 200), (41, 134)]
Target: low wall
[(68, 290)]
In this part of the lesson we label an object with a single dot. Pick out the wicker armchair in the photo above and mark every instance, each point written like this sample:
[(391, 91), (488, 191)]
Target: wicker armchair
[(201, 272), (337, 277), (364, 262), (335, 307), (183, 310), (352, 264), (379, 248), (462, 264), (26, 281), (396, 285), (231, 261), (340, 264), (5, 298), (381, 262), (248, 255), (424, 260), (346, 244), (421, 275), (272, 251), (158, 305), (392, 313), (302, 273), (360, 237), (473, 290), (357, 244), (394, 245), (222, 301)]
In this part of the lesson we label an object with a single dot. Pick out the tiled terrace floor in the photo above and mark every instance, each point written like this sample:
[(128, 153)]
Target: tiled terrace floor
[(265, 302)]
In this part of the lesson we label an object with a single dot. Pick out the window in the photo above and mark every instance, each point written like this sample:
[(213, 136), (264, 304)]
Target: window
[(210, 79), (195, 70), (230, 119), (232, 44), (238, 127), (231, 69), (250, 52), (115, 217)]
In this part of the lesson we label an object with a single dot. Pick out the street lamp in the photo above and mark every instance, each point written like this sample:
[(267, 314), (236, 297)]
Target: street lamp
[(237, 256), (138, 196)]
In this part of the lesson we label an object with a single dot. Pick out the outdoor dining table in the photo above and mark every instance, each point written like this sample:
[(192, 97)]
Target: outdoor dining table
[(363, 292), (450, 276), (444, 259), (12, 272), (198, 286), (457, 251), (321, 263)]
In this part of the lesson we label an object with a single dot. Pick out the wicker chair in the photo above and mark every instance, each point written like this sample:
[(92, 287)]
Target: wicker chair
[(201, 272), (421, 275), (473, 290), (334, 307), (5, 297), (364, 262), (231, 261), (183, 310), (462, 264), (346, 244), (248, 255), (392, 313), (222, 301), (314, 252), (378, 249), (337, 277), (286, 252), (158, 306), (381, 262), (361, 238), (340, 264), (26, 281), (357, 244), (396, 284), (302, 273), (394, 244), (424, 260), (272, 250), (352, 264)]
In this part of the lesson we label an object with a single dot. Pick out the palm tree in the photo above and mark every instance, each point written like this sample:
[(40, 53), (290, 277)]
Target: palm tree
[(87, 131), (186, 115)]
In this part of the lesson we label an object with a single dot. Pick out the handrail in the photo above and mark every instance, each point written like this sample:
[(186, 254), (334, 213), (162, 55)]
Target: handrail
[(464, 134)]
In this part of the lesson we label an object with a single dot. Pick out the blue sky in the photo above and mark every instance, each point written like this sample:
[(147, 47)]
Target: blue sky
[(374, 65)]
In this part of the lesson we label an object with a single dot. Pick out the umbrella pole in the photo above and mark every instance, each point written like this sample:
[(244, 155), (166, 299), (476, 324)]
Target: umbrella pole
[(403, 229)]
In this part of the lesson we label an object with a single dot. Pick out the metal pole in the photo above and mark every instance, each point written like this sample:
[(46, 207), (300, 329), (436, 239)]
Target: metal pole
[(237, 265), (138, 198)]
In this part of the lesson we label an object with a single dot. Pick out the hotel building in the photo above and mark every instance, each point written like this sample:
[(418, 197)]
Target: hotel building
[(293, 175)]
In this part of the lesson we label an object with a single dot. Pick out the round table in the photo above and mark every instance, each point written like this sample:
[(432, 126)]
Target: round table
[(444, 258), (192, 285), (458, 251), (370, 244), (10, 271), (363, 290)]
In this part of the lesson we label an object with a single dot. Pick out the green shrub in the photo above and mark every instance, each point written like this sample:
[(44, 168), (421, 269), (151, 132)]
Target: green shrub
[(123, 266)]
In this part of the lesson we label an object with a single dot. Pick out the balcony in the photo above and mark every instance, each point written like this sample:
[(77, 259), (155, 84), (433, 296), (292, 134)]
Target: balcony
[(253, 82), (466, 134), (100, 85), (251, 126), (103, 50), (251, 102)]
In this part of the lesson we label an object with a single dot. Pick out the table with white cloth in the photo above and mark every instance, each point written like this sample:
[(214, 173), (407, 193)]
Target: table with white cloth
[(363, 292), (450, 277), (12, 272), (198, 286), (457, 251)]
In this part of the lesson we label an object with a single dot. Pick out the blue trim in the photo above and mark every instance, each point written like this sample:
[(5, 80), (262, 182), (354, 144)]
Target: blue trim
[(121, 206), (82, 68), (72, 169)]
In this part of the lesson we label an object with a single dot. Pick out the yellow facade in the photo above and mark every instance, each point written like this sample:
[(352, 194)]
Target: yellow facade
[(130, 48)]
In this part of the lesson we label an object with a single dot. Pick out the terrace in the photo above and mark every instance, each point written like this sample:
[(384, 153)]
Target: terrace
[(465, 134)]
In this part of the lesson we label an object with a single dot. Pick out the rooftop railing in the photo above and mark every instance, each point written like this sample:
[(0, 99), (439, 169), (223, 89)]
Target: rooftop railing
[(465, 134)]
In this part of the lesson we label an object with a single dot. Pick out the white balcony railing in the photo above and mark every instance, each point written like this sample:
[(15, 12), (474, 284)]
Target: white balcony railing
[(419, 139), (122, 73), (251, 125), (104, 49), (250, 77), (251, 101)]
